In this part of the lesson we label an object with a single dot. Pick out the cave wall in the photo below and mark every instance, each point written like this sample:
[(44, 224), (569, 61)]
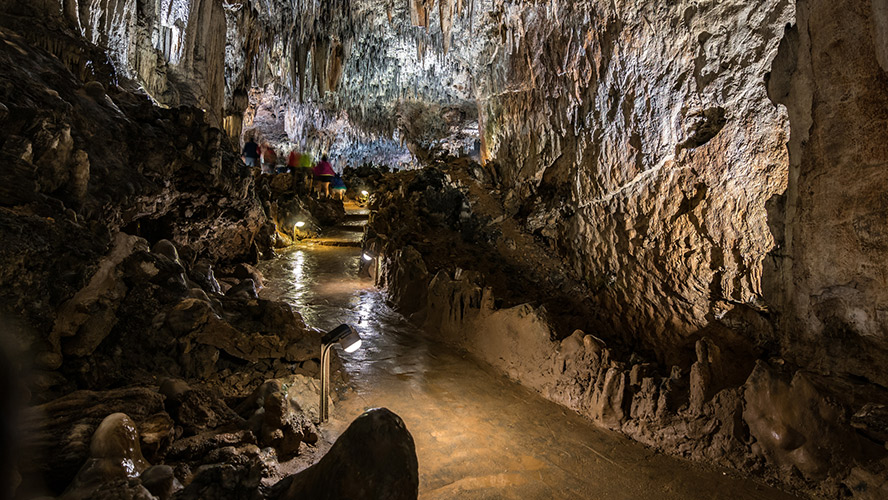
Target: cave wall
[(177, 50), (639, 141), (642, 142), (827, 277)]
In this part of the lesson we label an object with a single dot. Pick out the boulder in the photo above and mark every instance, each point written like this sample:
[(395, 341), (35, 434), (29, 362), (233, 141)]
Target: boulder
[(280, 184), (198, 411), (144, 268), (202, 274), (157, 433), (276, 421), (167, 249), (87, 318), (872, 421), (868, 482), (593, 345), (572, 345), (95, 90), (374, 458), (199, 361), (408, 281), (795, 424), (188, 315), (173, 389), (245, 271), (289, 342), (245, 290), (160, 481), (195, 448), (232, 482)]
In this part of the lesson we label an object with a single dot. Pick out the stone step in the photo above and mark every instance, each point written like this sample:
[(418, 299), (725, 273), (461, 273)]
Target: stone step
[(339, 237), (349, 229), (331, 242)]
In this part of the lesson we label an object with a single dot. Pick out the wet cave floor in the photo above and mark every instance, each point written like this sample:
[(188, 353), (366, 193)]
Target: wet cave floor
[(478, 435)]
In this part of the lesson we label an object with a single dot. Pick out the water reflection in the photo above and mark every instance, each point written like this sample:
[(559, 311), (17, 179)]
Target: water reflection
[(324, 285), (298, 266), (477, 435)]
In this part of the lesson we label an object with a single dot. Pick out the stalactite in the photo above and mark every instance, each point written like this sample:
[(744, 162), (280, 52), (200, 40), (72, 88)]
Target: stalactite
[(320, 53), (301, 61), (446, 12), (334, 65), (419, 12)]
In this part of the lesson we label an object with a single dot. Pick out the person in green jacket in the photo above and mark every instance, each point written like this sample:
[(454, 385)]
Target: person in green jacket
[(306, 166)]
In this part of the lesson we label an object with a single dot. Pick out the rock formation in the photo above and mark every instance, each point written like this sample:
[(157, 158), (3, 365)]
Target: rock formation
[(129, 231), (456, 265), (676, 208), (376, 454)]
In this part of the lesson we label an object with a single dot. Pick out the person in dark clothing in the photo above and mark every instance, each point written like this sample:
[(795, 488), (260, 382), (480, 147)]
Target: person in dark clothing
[(251, 153), (339, 187)]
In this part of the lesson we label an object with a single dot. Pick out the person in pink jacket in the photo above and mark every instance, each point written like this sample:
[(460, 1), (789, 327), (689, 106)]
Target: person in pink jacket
[(323, 174)]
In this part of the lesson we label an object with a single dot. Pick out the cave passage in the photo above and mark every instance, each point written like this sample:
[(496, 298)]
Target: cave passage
[(477, 434), (613, 246)]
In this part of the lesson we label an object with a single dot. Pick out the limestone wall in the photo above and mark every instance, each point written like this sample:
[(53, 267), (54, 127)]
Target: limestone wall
[(638, 139), (827, 277), (174, 49)]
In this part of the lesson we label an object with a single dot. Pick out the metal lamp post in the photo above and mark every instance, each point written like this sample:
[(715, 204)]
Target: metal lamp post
[(350, 340)]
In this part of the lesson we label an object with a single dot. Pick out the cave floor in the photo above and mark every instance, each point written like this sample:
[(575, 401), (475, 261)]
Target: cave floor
[(478, 435)]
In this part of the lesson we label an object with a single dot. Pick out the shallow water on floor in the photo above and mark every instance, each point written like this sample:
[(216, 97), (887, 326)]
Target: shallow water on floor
[(478, 435)]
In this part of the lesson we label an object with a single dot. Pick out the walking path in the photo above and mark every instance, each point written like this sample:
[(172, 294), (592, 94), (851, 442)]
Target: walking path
[(478, 435), (347, 234)]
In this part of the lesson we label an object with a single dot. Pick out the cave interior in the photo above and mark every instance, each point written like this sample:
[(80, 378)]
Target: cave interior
[(664, 220)]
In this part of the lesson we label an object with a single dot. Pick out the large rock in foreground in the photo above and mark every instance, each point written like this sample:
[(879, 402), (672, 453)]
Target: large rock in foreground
[(375, 458)]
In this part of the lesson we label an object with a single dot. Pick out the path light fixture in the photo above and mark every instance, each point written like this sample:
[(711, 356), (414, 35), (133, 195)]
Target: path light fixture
[(369, 264), (301, 229), (350, 341)]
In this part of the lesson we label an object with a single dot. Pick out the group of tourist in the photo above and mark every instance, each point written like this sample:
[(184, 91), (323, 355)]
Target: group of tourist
[(319, 178)]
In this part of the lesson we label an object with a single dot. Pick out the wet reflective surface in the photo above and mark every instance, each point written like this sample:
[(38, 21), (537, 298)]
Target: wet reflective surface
[(477, 434)]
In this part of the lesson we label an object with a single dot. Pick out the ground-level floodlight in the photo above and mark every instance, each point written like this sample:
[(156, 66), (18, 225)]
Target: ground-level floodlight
[(369, 263), (349, 339), (300, 224)]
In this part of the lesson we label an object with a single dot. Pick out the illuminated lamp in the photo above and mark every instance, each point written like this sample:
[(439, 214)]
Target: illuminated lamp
[(350, 341)]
